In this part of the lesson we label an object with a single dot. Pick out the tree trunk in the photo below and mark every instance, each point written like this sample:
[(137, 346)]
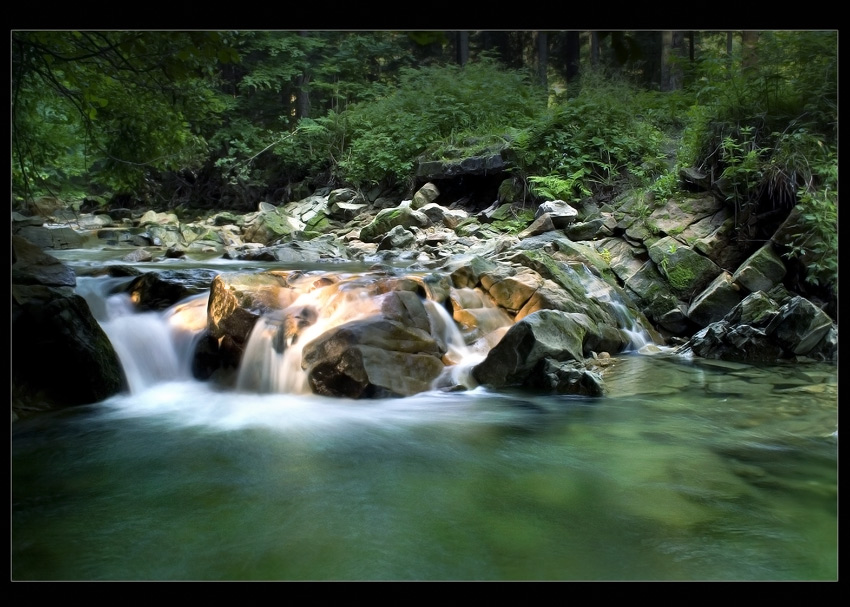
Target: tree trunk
[(302, 104), (572, 58), (666, 50), (542, 59), (672, 46), (679, 53), (749, 57), (729, 39), (302, 108), (594, 49), (462, 47)]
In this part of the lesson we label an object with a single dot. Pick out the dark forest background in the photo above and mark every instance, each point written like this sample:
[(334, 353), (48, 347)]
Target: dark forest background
[(226, 119)]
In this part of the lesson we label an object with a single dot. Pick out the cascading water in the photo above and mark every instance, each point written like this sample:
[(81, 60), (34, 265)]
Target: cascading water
[(153, 347), (272, 359), (601, 291), (460, 357), (159, 346), (271, 362)]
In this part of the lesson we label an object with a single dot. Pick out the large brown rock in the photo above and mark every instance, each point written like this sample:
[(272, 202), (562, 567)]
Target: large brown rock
[(372, 358)]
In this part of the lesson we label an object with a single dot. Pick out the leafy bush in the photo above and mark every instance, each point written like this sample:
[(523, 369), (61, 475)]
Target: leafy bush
[(432, 104), (793, 87), (817, 241), (112, 108), (771, 133), (553, 187), (587, 141), (49, 156)]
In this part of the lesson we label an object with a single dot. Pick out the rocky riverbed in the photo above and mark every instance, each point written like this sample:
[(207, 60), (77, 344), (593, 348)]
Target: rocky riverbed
[(544, 292)]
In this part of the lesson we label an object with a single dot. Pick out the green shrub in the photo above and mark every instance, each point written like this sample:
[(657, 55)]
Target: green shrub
[(553, 187), (433, 104), (771, 132), (817, 240), (588, 141)]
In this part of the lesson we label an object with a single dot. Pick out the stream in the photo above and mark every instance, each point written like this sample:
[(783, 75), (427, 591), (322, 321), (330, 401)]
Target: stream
[(687, 469)]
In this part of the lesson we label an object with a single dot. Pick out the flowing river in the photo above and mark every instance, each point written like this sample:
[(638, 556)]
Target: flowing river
[(687, 469)]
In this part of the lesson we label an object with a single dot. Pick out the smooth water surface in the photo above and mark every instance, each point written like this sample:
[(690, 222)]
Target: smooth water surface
[(685, 470)]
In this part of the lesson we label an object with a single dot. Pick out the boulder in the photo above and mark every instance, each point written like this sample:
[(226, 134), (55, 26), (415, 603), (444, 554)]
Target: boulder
[(428, 193), (762, 271), (31, 266), (560, 213), (402, 215), (372, 358), (715, 302), (62, 357), (768, 327), (52, 238), (544, 334), (687, 271)]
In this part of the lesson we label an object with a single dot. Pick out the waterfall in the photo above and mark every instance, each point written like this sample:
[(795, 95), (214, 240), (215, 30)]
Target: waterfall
[(269, 364), (459, 357), (153, 347), (186, 321), (601, 291), (156, 347), (272, 358)]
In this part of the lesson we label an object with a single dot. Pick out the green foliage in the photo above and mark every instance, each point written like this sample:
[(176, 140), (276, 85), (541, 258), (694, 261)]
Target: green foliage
[(519, 220), (429, 105), (239, 145), (134, 144), (260, 112), (818, 243), (666, 111), (770, 131), (641, 210), (666, 185), (741, 157), (264, 85), (358, 67), (273, 60), (589, 140), (741, 116), (553, 187), (119, 105), (817, 240), (46, 138), (316, 146)]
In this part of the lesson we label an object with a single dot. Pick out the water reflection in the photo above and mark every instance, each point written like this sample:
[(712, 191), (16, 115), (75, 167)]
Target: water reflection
[(686, 469), (666, 477)]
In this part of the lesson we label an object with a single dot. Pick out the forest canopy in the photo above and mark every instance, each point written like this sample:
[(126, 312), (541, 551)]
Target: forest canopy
[(226, 119)]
